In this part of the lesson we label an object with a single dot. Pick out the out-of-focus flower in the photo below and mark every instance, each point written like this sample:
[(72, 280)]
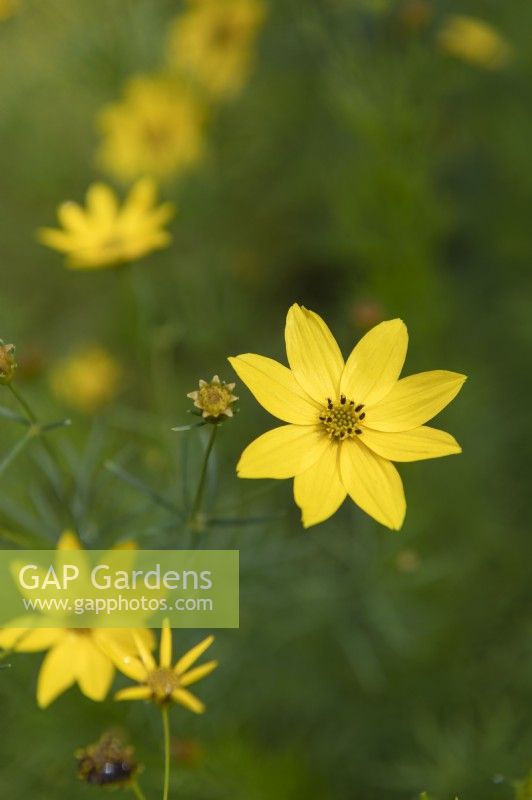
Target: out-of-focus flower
[(156, 129), (105, 234), (8, 8), (214, 399), (107, 762), (407, 560), (523, 788), (163, 683), (87, 380), (347, 421), (213, 43), (75, 655), (186, 752), (367, 313), (8, 364), (475, 41)]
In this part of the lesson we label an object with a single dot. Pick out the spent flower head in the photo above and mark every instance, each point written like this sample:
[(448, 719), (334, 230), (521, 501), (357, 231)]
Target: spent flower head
[(105, 234), (214, 399), (347, 421), (107, 762), (163, 683), (8, 364)]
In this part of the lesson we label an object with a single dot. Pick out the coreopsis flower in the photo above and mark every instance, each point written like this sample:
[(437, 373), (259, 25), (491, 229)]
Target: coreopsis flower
[(347, 421), (87, 380), (75, 655), (474, 40), (8, 363), (214, 399), (105, 234), (213, 43), (163, 683), (107, 762), (156, 129)]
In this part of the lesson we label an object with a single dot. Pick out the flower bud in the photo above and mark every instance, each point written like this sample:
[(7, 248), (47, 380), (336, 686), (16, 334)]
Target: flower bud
[(8, 364), (214, 399), (107, 762)]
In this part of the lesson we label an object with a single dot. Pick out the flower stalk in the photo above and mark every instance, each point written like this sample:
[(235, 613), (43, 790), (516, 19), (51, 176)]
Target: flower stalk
[(195, 516), (166, 735)]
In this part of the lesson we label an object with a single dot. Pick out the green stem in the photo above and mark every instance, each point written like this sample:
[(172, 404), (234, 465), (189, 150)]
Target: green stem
[(23, 404), (137, 791), (193, 521), (166, 732)]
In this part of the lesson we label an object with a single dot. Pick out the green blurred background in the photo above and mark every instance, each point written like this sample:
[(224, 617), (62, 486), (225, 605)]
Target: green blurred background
[(364, 173)]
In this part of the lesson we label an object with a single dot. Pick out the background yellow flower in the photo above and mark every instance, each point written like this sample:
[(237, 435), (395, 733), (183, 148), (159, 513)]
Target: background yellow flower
[(156, 129), (87, 380), (213, 42), (105, 234), (474, 40)]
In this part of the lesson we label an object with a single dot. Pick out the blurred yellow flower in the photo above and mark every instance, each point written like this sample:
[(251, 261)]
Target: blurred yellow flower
[(8, 8), (74, 655), (475, 41), (104, 234), (87, 380), (163, 683), (156, 129), (347, 421), (213, 41)]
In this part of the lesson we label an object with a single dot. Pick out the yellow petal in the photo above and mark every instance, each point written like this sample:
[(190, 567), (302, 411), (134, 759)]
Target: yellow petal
[(30, 640), (122, 638), (134, 693), (144, 652), (282, 452), (275, 388), (142, 195), (72, 217), (166, 645), (373, 484), (188, 700), (313, 354), (415, 445), (318, 491), (126, 663), (69, 541), (101, 202), (193, 654), (375, 363), (56, 674), (195, 675), (94, 670), (56, 239), (414, 400)]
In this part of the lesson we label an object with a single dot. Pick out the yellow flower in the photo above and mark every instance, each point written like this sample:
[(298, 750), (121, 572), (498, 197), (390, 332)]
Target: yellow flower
[(213, 42), (75, 655), (8, 8), (475, 41), (163, 683), (87, 380), (105, 235), (347, 421), (8, 363), (156, 129), (214, 399)]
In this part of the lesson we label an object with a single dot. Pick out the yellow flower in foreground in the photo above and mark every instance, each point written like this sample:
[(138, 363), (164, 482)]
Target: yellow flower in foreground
[(213, 42), (163, 683), (156, 129), (74, 655), (474, 40), (104, 234), (87, 380), (347, 421)]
